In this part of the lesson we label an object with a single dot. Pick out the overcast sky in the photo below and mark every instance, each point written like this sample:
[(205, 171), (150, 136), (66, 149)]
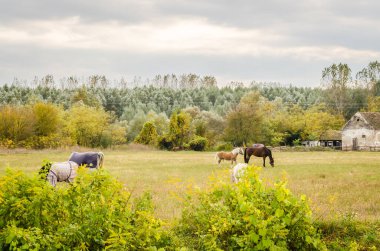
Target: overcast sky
[(287, 41)]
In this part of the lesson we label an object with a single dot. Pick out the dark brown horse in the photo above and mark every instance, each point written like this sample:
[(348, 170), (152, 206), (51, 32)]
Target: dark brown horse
[(258, 150)]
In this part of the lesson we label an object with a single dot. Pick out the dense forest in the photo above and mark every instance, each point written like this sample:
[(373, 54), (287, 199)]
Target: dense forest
[(187, 111)]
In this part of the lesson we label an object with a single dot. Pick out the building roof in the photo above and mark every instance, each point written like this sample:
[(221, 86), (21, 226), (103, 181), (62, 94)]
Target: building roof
[(373, 118), (331, 135)]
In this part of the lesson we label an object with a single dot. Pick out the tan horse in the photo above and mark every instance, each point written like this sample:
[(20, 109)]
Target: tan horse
[(229, 155)]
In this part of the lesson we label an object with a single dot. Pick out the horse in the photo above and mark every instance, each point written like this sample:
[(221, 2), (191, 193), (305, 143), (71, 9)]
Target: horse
[(59, 172), (93, 160), (258, 150), (238, 171), (229, 155)]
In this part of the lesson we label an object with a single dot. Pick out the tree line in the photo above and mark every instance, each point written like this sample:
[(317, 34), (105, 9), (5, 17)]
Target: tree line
[(182, 112)]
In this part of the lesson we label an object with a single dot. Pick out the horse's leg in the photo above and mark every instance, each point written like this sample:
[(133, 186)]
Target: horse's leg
[(220, 160), (264, 160), (52, 178)]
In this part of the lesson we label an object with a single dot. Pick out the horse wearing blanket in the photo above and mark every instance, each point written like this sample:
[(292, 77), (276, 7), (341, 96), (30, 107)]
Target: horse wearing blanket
[(229, 155), (59, 172), (89, 159)]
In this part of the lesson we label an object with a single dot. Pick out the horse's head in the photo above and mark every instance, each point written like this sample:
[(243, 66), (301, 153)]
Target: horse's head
[(44, 170), (241, 150), (271, 160), (237, 151)]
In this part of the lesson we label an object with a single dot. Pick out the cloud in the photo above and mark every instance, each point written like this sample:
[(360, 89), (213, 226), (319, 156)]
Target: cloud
[(239, 39), (184, 36)]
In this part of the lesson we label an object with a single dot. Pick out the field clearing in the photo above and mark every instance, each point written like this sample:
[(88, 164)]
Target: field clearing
[(338, 183)]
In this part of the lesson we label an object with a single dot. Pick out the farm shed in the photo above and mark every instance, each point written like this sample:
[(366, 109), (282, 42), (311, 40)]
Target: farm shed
[(362, 132), (331, 138), (310, 143)]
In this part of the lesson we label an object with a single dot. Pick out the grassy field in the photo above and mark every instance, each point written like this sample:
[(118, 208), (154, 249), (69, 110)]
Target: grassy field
[(338, 183)]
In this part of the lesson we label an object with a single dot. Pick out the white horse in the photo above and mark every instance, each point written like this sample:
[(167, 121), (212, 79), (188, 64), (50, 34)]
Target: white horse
[(229, 155), (60, 172), (238, 171)]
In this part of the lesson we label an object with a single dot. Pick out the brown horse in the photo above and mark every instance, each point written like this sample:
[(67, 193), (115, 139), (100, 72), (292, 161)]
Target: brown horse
[(258, 150), (229, 155)]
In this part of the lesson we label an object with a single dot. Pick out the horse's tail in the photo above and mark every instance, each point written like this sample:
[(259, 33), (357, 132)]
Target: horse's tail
[(269, 153), (100, 159)]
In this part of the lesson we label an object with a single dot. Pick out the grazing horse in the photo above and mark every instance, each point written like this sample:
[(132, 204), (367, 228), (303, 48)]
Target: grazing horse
[(229, 155), (258, 150), (238, 171), (90, 159), (59, 172)]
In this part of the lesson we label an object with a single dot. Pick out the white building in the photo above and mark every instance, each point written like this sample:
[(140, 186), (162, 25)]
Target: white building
[(362, 131)]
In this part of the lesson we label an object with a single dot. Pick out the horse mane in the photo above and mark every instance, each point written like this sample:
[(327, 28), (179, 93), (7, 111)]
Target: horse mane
[(245, 155)]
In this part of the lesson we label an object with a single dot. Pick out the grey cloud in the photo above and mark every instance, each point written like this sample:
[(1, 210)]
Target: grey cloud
[(27, 62), (88, 11), (350, 24)]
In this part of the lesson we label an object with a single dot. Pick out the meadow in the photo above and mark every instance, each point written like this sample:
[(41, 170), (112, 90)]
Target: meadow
[(338, 184)]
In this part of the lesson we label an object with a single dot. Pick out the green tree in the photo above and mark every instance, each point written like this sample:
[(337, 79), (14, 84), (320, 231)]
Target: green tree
[(47, 119), (179, 128), (86, 124), (243, 124), (148, 134), (83, 95), (337, 81), (136, 124), (160, 121), (16, 123), (318, 120), (373, 104), (370, 78), (209, 125)]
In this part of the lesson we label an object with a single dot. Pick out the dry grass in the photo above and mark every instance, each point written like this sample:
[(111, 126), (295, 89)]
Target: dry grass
[(338, 183)]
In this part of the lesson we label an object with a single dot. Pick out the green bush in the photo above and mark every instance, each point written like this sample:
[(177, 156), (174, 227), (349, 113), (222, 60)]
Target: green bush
[(148, 134), (198, 143), (93, 213), (248, 216), (165, 142), (96, 212), (347, 233), (51, 141), (224, 146)]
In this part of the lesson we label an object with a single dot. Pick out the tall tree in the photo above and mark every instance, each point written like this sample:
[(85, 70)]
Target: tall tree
[(179, 128), (148, 134), (47, 119), (337, 81), (243, 124), (370, 78)]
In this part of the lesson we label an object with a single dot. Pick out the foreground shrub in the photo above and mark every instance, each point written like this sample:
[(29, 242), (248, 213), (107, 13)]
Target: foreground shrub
[(248, 216), (93, 213), (346, 233)]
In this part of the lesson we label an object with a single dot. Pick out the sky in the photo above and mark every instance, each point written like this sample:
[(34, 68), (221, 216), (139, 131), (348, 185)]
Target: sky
[(288, 41)]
